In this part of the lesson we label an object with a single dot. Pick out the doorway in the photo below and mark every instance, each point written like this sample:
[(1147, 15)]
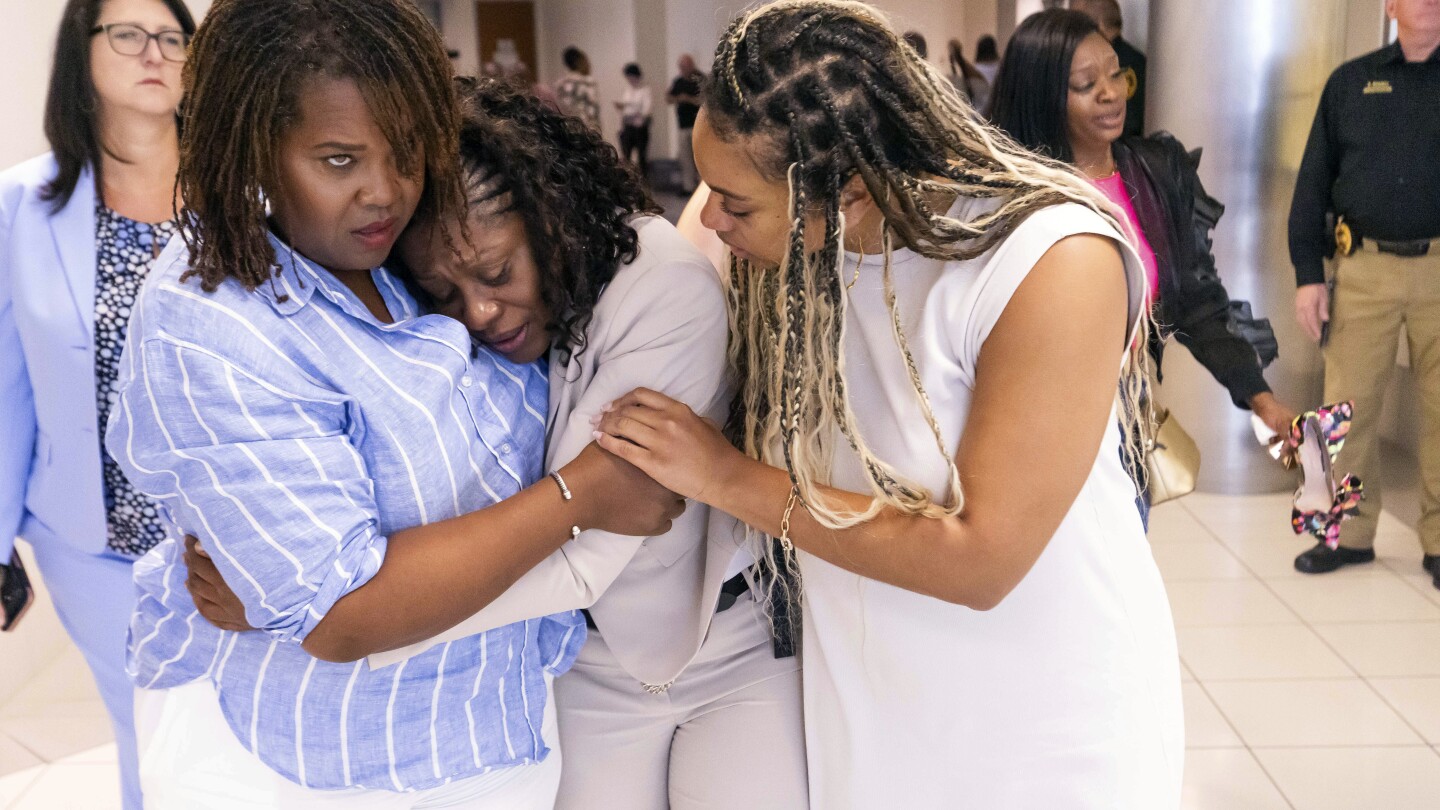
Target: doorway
[(507, 35)]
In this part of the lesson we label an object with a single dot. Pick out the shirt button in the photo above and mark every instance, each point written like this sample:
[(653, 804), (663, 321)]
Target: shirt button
[(467, 381), (505, 449)]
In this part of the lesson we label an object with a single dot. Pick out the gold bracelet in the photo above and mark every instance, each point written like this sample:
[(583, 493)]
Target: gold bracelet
[(785, 542)]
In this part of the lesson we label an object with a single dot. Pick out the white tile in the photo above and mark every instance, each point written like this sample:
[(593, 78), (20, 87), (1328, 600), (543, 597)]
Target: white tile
[(1398, 548), (1386, 649), (1186, 676), (1228, 779), (65, 680), (72, 728), (1221, 602), (1205, 727), (1417, 700), (15, 757), (74, 786), (1196, 559), (1309, 713), (1377, 596), (1269, 554), (1223, 514), (14, 785), (1350, 778), (1262, 651), (1424, 584), (102, 754), (1170, 522)]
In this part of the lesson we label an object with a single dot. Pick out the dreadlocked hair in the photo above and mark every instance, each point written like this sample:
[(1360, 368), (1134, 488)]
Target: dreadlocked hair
[(571, 189), (827, 91), (247, 66)]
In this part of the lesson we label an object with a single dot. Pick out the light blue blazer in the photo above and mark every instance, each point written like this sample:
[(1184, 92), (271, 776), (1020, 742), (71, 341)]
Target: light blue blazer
[(50, 480)]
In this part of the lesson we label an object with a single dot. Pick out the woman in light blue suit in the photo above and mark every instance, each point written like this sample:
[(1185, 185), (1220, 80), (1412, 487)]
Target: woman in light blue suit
[(79, 228)]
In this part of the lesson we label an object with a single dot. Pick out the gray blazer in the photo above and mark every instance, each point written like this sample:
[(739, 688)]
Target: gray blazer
[(660, 324)]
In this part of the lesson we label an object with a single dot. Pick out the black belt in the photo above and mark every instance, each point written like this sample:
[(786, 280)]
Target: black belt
[(1410, 249), (730, 592)]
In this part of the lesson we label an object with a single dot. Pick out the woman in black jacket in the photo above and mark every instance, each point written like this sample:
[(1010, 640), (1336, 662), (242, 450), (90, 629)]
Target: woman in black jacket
[(1061, 93)]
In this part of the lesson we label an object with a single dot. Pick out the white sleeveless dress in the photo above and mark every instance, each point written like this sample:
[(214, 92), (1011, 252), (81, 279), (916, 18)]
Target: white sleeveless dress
[(1066, 695)]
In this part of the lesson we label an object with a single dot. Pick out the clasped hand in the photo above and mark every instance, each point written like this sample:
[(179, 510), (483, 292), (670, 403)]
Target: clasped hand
[(681, 450)]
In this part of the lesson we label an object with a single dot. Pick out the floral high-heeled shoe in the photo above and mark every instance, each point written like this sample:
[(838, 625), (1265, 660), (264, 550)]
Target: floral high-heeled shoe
[(1320, 504)]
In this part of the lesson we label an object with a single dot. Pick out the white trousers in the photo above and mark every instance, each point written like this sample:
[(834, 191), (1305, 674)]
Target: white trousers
[(191, 760), (727, 735)]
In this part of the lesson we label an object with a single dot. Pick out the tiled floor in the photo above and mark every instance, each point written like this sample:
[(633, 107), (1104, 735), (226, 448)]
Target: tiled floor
[(1301, 693)]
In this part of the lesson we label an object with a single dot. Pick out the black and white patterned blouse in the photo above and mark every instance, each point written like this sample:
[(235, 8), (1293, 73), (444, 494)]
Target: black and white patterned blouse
[(125, 250)]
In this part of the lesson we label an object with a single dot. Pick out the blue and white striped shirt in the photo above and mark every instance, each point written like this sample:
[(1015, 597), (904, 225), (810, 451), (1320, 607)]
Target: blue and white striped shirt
[(292, 432)]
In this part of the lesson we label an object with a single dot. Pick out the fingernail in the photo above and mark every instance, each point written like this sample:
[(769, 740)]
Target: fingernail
[(597, 435), (595, 420), (606, 407)]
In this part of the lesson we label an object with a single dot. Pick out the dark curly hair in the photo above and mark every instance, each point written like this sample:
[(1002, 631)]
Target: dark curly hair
[(247, 65), (571, 189)]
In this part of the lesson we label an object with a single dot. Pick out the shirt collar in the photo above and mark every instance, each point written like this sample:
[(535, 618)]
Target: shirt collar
[(297, 279), (294, 281), (1393, 54)]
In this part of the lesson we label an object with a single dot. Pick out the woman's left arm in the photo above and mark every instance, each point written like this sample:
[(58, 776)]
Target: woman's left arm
[(1202, 313), (18, 427), (1044, 395)]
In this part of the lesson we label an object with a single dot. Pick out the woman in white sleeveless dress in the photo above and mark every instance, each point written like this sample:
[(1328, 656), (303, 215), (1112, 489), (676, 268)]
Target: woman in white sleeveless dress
[(936, 335)]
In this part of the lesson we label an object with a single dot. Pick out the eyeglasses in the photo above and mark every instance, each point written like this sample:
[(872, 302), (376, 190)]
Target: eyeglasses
[(128, 39)]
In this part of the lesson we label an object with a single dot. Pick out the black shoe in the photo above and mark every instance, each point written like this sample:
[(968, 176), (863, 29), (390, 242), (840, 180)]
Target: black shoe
[(1322, 559), (1429, 563)]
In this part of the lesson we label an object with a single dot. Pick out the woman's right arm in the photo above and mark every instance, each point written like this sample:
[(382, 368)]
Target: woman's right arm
[(282, 502), (17, 416), (667, 331)]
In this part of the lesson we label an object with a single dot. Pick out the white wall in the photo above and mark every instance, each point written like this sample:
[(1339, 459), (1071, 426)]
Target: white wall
[(461, 29)]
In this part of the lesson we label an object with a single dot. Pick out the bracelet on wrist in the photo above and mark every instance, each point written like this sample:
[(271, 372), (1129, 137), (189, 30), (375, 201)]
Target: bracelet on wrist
[(565, 495)]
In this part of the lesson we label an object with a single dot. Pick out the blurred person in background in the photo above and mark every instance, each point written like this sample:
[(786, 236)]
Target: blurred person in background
[(968, 79), (685, 96), (79, 229), (1373, 163), (635, 107), (1061, 92), (916, 40), (577, 93), (987, 58), (1106, 14)]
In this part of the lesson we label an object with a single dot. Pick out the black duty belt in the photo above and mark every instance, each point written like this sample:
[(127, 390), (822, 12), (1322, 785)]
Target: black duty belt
[(1417, 247)]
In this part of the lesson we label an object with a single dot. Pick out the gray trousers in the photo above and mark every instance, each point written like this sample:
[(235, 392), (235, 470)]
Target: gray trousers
[(728, 734)]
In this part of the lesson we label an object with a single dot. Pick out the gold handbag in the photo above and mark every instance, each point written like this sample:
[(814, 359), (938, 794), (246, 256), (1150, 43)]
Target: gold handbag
[(1172, 460)]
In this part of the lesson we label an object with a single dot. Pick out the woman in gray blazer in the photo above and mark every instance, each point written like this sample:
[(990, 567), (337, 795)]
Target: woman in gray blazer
[(79, 228), (681, 697)]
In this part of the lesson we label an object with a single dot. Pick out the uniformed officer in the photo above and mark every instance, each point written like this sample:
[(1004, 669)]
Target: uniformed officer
[(1106, 14), (1369, 194)]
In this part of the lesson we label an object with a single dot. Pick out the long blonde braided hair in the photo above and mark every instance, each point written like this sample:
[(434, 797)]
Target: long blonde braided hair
[(831, 91)]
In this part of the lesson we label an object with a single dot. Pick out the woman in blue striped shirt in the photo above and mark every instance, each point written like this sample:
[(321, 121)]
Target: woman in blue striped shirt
[(283, 398), (675, 624)]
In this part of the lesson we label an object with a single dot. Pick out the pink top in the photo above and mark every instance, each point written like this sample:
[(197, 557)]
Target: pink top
[(1114, 188)]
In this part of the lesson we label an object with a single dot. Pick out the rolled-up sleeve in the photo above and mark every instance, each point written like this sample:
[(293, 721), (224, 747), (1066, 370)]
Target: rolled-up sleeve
[(263, 471)]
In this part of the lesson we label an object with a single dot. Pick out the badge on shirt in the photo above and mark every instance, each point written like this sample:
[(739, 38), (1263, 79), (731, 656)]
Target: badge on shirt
[(1378, 86)]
